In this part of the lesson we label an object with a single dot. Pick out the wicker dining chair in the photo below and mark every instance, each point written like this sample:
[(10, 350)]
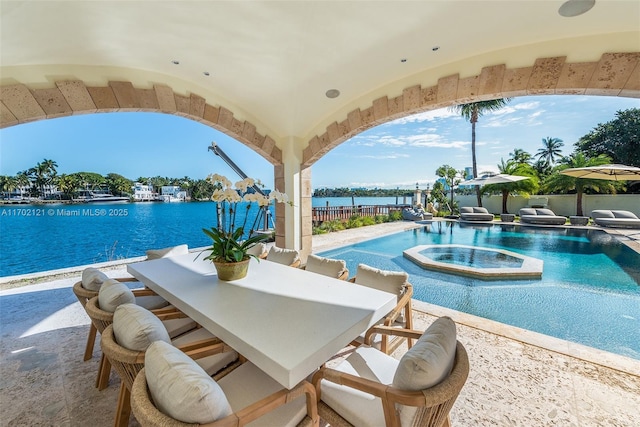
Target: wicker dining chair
[(83, 294), (176, 324), (249, 395), (401, 316), (289, 257), (214, 356), (335, 268), (364, 391)]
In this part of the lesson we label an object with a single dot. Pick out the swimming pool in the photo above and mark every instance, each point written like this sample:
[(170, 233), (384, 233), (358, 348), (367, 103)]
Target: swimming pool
[(589, 292)]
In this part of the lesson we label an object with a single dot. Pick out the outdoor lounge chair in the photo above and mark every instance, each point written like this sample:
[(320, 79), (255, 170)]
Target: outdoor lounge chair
[(335, 268), (395, 282), (171, 390), (475, 214), (540, 216), (619, 219), (289, 257), (370, 388), (134, 328), (419, 214)]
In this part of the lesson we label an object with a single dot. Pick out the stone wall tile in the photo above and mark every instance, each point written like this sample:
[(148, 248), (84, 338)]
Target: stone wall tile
[(20, 101), (126, 95), (545, 75), (166, 98), (148, 100), (77, 96), (515, 82), (52, 102), (104, 99)]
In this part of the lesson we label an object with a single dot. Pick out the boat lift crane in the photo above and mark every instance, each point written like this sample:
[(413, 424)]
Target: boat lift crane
[(264, 215)]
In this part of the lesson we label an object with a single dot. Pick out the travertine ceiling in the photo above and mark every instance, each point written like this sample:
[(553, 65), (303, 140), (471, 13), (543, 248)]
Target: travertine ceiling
[(271, 62)]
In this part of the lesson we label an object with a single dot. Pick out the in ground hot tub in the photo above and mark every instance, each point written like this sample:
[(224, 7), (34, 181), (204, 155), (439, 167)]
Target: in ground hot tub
[(474, 261)]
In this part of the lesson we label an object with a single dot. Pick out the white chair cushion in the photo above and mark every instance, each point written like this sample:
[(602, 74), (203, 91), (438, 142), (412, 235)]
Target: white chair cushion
[(359, 408), (247, 384), (325, 266), (151, 302), (177, 327), (430, 359), (180, 388), (112, 294), (388, 281), (136, 328), (167, 252), (258, 249), (282, 255), (92, 279), (210, 364)]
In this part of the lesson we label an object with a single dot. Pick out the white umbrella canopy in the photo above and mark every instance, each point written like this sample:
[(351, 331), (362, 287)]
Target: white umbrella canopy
[(611, 172), (494, 179)]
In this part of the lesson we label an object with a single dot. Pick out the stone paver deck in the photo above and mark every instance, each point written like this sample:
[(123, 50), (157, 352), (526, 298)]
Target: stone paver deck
[(517, 377)]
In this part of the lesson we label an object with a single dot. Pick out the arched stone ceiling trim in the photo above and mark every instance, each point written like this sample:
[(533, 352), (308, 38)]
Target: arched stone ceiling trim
[(19, 104), (615, 74)]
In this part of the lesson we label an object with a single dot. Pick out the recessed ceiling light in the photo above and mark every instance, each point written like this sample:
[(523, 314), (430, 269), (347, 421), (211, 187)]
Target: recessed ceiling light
[(435, 48), (403, 60), (572, 8), (206, 73), (175, 62), (333, 93)]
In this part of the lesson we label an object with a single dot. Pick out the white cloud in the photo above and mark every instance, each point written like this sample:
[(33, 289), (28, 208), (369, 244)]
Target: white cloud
[(442, 113), (383, 156)]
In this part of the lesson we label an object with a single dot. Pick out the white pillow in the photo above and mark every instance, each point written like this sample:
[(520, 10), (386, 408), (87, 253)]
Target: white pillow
[(326, 266), (136, 328), (92, 279), (430, 359), (258, 249), (388, 281), (180, 388), (112, 294), (167, 252), (282, 255)]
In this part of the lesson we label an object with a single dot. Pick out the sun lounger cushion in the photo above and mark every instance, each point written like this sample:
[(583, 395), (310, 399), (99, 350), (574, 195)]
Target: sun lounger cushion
[(167, 252), (388, 281), (151, 302), (136, 328), (325, 266), (540, 216), (475, 213), (542, 211), (282, 255), (112, 294), (92, 279), (615, 218), (180, 388), (430, 359)]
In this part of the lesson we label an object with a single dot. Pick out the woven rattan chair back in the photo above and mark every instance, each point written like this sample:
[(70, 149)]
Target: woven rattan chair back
[(83, 296), (149, 416)]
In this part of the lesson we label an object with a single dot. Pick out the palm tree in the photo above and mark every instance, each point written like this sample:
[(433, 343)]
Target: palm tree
[(524, 187), (565, 183), (551, 151), (472, 112), (520, 156)]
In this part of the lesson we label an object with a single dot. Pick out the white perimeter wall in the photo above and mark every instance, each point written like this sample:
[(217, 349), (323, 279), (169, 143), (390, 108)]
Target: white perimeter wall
[(562, 204)]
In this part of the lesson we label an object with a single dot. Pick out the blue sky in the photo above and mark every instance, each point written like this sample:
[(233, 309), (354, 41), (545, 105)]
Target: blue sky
[(395, 154)]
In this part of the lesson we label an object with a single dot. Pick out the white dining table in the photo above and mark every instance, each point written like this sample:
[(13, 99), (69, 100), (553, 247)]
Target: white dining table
[(285, 320)]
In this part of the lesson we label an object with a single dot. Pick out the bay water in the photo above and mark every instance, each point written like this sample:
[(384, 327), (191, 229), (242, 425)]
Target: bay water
[(37, 238)]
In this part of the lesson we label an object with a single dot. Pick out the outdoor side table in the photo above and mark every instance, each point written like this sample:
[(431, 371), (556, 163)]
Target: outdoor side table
[(507, 217), (579, 220)]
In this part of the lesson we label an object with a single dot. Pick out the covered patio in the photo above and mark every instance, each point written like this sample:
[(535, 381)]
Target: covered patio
[(517, 377)]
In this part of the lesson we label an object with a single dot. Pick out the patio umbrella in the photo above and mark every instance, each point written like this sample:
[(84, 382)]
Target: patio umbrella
[(494, 179), (610, 172)]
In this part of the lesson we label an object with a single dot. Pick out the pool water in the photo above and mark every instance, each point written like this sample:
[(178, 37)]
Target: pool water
[(589, 292)]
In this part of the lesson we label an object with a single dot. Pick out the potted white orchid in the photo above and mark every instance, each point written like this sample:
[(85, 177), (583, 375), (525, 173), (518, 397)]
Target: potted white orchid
[(229, 247)]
